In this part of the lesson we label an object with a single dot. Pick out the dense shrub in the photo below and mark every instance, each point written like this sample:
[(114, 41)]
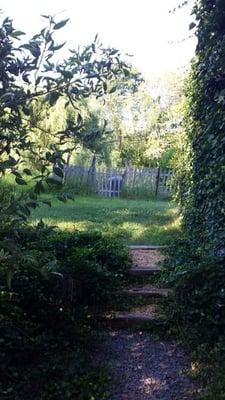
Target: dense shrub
[(95, 262), (196, 268), (49, 300), (198, 302), (196, 310)]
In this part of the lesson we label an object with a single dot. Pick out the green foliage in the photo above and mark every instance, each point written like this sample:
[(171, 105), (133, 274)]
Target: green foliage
[(48, 312), (197, 269), (199, 294), (205, 129), (141, 127), (96, 262), (31, 87), (44, 322), (196, 310)]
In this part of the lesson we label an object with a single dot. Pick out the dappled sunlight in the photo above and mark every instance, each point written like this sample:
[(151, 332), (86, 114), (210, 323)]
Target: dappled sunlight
[(134, 221), (174, 225), (68, 225), (149, 369), (136, 230), (151, 384)]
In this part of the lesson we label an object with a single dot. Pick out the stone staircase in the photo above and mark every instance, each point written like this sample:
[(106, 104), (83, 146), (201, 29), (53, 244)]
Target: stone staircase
[(146, 291), (140, 296)]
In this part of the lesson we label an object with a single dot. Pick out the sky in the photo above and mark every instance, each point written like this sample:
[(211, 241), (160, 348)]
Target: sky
[(158, 40)]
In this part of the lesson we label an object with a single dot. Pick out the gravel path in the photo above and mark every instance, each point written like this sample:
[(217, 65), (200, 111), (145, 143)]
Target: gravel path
[(144, 369)]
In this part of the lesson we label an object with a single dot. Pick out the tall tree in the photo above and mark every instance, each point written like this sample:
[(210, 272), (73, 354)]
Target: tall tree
[(30, 80)]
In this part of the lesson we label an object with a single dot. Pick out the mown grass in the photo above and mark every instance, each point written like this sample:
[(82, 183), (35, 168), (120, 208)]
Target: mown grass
[(134, 221)]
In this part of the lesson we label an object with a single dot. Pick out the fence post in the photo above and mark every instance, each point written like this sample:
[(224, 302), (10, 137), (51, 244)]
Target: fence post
[(109, 183), (157, 182)]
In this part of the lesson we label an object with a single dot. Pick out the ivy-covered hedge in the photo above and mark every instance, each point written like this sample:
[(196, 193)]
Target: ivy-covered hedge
[(196, 267), (205, 127)]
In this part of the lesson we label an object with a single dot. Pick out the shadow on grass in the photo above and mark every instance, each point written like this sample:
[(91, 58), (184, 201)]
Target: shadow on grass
[(132, 221)]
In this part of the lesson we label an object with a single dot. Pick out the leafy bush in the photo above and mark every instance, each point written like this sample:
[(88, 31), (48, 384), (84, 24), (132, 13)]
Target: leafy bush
[(95, 262), (196, 310), (49, 295), (41, 315), (199, 297), (197, 269)]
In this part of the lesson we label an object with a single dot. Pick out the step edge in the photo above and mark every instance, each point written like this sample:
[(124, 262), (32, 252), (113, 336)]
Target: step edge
[(133, 318), (144, 270), (146, 292), (147, 247)]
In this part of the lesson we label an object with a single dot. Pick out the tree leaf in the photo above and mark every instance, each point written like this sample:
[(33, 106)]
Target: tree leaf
[(79, 119), (39, 187), (113, 89), (192, 25), (52, 98), (27, 171), (16, 173), (20, 181), (58, 46), (52, 181), (61, 24), (58, 171), (17, 34)]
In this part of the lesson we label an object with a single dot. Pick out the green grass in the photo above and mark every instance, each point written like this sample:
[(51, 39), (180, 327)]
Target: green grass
[(134, 221)]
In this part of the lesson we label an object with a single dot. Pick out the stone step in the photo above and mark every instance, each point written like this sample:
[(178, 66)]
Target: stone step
[(146, 247), (146, 291), (140, 271), (138, 318)]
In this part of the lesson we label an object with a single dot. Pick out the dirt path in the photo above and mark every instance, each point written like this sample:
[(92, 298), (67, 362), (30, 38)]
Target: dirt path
[(144, 369)]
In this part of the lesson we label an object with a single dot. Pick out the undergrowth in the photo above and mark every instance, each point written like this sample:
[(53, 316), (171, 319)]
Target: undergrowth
[(196, 311), (53, 287)]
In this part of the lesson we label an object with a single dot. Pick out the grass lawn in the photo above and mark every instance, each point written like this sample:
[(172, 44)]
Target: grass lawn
[(134, 221)]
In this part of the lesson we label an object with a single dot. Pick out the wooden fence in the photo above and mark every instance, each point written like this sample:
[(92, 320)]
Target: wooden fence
[(114, 182)]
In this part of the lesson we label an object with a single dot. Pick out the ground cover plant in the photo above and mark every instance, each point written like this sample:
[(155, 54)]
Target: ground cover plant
[(48, 318), (133, 221)]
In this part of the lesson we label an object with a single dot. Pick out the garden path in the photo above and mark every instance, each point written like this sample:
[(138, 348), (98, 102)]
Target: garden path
[(142, 367)]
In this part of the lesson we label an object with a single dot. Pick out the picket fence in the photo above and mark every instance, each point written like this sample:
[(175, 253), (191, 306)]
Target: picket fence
[(112, 182)]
